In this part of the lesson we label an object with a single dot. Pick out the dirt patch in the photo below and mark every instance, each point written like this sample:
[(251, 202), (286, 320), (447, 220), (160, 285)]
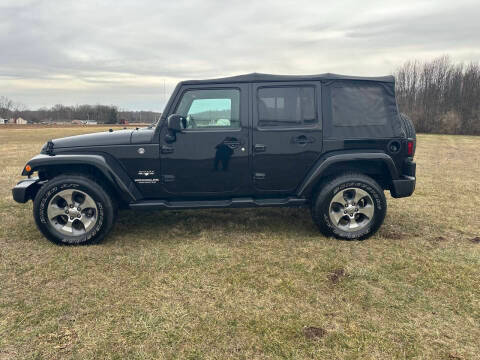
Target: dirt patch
[(454, 357), (392, 234), (438, 240), (336, 275), (475, 240), (313, 332)]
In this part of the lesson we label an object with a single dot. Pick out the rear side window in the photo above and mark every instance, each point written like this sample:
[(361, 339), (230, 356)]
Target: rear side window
[(363, 105), (286, 106)]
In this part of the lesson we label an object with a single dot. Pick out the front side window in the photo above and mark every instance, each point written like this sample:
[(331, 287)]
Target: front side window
[(286, 106), (216, 108)]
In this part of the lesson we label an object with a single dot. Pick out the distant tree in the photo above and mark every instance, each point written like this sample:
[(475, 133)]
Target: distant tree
[(6, 106), (440, 96), (18, 110), (112, 118)]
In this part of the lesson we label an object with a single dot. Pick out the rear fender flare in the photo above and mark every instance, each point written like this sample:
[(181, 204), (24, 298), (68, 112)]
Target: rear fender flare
[(108, 166), (326, 161)]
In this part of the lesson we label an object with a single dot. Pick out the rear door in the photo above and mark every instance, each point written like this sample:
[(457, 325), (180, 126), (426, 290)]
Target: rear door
[(287, 134)]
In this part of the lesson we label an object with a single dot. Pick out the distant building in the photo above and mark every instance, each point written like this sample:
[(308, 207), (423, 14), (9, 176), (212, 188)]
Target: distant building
[(18, 120), (123, 121), (3, 121)]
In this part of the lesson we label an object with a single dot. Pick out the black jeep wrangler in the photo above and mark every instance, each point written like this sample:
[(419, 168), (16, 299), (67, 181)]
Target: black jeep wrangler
[(332, 143)]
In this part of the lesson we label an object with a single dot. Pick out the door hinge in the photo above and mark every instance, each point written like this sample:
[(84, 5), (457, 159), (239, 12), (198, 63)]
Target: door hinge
[(168, 178), (164, 149), (49, 149), (259, 176)]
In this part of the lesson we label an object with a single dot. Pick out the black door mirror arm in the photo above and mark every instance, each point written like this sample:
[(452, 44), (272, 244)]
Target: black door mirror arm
[(170, 137)]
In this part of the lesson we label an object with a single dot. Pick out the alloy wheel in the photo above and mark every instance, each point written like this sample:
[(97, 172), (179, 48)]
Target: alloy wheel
[(72, 212), (351, 209)]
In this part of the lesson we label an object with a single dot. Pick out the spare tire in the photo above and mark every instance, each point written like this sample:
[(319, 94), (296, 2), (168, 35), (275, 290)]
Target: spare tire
[(408, 127)]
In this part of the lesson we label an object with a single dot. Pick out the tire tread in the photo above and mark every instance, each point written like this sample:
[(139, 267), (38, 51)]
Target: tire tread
[(322, 195), (85, 181)]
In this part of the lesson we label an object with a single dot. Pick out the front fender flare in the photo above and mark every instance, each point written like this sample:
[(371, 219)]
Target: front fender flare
[(104, 163), (329, 159)]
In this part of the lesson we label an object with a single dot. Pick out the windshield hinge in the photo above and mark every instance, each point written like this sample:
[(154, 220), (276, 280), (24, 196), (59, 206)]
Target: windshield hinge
[(49, 149)]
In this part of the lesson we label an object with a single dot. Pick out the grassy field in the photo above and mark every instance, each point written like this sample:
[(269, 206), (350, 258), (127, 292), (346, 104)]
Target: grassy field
[(249, 284)]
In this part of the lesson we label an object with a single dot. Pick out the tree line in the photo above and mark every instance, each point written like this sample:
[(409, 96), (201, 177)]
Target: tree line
[(440, 96), (107, 114)]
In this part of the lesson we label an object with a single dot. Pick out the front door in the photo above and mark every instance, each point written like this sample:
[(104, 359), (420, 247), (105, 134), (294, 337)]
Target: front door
[(210, 156), (287, 134)]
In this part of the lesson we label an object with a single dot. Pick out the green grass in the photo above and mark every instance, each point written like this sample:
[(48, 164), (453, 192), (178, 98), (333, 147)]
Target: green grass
[(247, 284)]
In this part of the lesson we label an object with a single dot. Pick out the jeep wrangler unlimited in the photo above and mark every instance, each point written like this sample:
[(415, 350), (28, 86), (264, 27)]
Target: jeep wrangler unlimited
[(332, 143)]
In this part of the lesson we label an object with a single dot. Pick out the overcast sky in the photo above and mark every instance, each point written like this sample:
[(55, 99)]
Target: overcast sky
[(121, 52)]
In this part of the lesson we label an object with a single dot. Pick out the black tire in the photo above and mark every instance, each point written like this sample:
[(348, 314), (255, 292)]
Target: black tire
[(321, 205), (408, 127), (105, 216)]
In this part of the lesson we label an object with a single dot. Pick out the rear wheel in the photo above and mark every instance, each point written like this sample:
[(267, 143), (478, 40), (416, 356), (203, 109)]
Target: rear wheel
[(73, 210), (351, 206)]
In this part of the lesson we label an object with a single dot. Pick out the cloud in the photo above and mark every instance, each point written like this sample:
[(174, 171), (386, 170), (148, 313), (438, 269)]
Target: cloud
[(121, 52)]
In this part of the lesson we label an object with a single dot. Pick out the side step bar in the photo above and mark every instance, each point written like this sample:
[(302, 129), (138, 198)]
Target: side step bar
[(211, 204)]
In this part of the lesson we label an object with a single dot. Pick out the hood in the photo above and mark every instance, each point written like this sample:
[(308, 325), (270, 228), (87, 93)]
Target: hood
[(119, 137)]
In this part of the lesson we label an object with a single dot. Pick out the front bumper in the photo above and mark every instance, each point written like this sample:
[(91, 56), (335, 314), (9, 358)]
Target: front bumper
[(26, 190)]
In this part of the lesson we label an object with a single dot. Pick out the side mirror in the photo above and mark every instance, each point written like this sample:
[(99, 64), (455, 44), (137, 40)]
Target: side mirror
[(176, 123)]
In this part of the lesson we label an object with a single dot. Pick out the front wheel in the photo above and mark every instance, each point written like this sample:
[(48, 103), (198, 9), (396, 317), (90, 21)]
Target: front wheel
[(73, 210), (350, 207)]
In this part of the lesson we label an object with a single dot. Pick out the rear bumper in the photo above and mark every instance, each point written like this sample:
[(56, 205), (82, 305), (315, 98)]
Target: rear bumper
[(403, 187), (26, 190)]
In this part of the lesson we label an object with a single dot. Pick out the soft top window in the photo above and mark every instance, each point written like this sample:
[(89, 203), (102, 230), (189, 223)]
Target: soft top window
[(359, 105), (286, 106)]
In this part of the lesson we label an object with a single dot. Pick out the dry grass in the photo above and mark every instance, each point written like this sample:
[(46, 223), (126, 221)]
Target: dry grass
[(249, 284)]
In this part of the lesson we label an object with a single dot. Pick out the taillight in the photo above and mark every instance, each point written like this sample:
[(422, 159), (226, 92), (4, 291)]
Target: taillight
[(410, 146)]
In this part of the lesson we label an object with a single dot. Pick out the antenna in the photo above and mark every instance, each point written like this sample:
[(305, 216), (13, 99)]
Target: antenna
[(164, 94)]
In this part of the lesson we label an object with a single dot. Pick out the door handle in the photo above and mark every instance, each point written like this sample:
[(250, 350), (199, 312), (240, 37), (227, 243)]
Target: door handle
[(164, 149), (232, 143), (259, 176), (302, 140), (260, 148)]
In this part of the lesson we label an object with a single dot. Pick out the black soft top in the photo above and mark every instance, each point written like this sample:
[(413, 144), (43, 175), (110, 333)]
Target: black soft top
[(258, 77)]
